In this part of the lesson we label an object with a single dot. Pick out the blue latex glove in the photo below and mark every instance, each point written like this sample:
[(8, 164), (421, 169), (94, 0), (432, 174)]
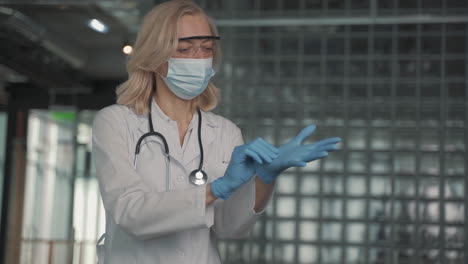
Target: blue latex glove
[(241, 167), (295, 154)]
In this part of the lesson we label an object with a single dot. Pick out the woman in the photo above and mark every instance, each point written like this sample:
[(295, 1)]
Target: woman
[(174, 176)]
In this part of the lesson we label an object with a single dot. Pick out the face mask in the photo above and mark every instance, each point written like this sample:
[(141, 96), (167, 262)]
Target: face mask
[(188, 78)]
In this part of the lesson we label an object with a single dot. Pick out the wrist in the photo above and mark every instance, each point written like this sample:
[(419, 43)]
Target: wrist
[(210, 197), (219, 189), (266, 176)]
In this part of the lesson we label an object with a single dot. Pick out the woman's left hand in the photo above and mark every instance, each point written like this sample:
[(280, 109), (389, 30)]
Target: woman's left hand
[(296, 154)]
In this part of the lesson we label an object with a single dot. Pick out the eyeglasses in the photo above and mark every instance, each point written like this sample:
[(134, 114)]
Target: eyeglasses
[(189, 48)]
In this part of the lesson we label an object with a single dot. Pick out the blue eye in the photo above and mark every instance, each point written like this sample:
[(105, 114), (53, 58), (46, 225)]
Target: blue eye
[(183, 50)]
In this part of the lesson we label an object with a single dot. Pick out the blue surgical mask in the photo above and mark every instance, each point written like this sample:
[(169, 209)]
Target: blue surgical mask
[(188, 78)]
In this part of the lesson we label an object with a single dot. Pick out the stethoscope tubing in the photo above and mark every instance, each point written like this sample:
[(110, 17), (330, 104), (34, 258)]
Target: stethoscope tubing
[(166, 146)]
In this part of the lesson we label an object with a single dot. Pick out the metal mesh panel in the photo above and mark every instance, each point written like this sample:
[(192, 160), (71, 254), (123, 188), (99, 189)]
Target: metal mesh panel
[(395, 92)]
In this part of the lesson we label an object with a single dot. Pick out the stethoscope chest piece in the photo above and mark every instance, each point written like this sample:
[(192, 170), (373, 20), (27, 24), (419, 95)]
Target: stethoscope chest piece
[(198, 177)]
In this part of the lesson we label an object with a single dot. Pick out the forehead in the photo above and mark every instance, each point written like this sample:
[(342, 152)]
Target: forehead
[(193, 25)]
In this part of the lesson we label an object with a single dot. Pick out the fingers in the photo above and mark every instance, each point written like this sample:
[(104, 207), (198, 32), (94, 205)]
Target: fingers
[(249, 152), (328, 144), (305, 133), (327, 141), (264, 146), (264, 154), (310, 152), (321, 154), (308, 157), (328, 148), (262, 151), (313, 152), (315, 155)]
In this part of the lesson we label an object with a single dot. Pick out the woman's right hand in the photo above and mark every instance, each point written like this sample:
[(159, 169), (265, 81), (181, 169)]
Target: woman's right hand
[(241, 167)]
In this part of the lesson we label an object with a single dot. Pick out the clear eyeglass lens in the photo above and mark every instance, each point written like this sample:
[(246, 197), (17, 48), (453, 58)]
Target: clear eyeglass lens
[(205, 48)]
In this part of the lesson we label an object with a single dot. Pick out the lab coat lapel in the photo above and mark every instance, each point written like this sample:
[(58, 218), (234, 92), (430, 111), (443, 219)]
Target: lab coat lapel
[(143, 126)]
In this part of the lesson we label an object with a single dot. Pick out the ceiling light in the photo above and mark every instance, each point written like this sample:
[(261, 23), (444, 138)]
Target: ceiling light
[(98, 26), (127, 49)]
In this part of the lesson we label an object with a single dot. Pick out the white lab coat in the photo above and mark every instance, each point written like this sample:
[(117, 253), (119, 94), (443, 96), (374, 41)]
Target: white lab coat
[(154, 218)]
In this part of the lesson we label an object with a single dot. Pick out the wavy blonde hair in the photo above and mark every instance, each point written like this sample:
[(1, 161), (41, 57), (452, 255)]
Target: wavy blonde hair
[(156, 42)]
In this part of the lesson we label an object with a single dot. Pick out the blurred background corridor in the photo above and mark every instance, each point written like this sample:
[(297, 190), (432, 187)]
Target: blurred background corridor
[(387, 76)]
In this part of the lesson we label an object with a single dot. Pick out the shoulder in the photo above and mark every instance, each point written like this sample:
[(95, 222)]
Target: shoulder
[(115, 113), (223, 125), (114, 117), (220, 122)]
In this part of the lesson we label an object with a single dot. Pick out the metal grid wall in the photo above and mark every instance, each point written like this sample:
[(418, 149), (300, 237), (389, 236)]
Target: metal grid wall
[(326, 8), (396, 94)]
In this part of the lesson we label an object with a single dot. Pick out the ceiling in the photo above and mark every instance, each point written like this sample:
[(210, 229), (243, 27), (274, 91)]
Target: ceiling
[(48, 43), (63, 26)]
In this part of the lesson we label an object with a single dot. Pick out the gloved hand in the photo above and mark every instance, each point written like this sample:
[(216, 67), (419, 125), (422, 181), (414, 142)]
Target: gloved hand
[(294, 154), (241, 167)]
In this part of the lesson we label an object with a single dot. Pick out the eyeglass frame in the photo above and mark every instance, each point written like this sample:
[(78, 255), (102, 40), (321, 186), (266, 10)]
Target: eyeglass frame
[(199, 37)]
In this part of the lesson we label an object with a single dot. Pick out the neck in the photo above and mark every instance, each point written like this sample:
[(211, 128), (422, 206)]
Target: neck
[(174, 107)]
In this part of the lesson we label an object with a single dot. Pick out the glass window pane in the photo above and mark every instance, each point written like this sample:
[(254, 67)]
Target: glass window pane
[(310, 184), (286, 184), (430, 164), (307, 254), (285, 230), (309, 207), (331, 254), (381, 163), (355, 208), (285, 207), (381, 139), (357, 162), (332, 185), (331, 231), (331, 208), (356, 185), (404, 163), (308, 231), (380, 186), (356, 233)]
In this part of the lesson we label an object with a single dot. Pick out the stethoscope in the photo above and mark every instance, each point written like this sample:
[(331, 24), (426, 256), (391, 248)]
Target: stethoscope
[(197, 177)]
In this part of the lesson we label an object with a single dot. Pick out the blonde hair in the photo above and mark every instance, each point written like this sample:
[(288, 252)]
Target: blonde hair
[(156, 43)]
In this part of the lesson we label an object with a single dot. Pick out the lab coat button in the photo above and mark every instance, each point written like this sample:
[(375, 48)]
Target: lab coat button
[(180, 253)]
